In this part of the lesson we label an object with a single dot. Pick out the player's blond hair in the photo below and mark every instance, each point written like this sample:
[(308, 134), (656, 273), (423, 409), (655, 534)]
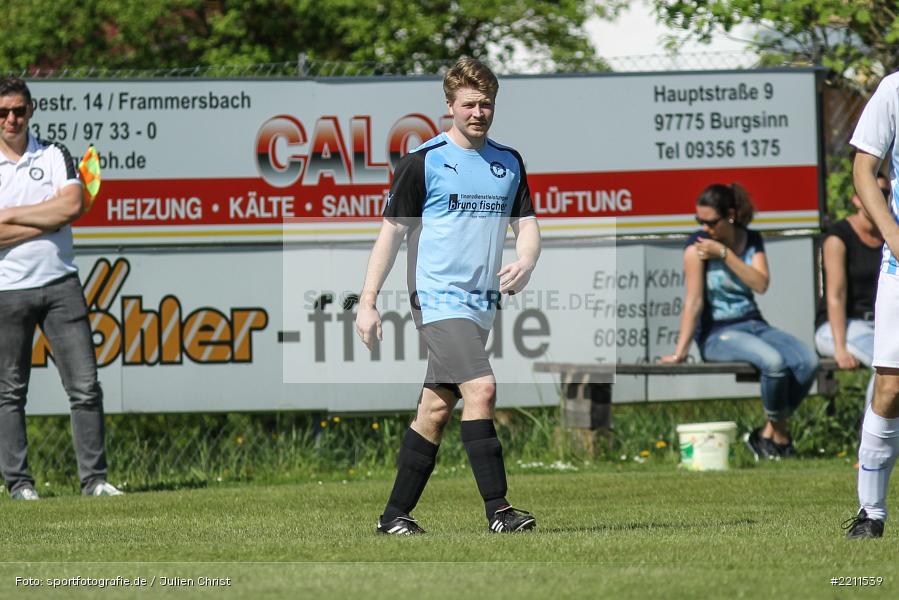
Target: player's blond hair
[(470, 73)]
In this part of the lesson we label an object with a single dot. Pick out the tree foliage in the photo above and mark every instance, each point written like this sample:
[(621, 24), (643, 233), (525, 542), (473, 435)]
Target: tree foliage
[(856, 39), (184, 33)]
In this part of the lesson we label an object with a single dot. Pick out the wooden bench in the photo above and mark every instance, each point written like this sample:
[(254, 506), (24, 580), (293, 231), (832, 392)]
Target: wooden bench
[(586, 389)]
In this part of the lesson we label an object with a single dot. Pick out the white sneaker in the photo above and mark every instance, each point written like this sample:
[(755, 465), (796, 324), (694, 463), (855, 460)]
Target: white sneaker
[(25, 493), (105, 489)]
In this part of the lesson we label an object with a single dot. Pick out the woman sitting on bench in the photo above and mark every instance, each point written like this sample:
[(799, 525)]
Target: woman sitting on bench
[(724, 263), (851, 260)]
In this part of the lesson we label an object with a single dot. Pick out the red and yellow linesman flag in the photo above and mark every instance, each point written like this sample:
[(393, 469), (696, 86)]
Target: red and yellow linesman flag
[(90, 176)]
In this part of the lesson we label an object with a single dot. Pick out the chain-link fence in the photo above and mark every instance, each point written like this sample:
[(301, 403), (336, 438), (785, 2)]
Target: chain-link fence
[(314, 68), (155, 451)]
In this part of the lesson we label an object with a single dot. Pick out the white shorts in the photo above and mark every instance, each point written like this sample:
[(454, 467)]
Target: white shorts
[(886, 322)]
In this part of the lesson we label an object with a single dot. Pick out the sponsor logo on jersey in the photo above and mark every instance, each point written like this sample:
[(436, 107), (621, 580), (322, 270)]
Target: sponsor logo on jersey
[(477, 203)]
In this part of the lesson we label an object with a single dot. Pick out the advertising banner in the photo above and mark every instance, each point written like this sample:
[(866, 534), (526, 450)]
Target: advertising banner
[(248, 161), (255, 328)]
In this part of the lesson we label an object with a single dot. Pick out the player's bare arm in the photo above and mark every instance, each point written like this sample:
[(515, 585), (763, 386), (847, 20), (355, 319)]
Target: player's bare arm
[(864, 176), (515, 276), (383, 255)]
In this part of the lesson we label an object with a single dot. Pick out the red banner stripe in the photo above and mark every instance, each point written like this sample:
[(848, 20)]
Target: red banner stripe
[(251, 201)]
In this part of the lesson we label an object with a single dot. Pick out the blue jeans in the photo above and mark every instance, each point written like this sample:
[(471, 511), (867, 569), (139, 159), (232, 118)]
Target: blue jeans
[(60, 310), (787, 366)]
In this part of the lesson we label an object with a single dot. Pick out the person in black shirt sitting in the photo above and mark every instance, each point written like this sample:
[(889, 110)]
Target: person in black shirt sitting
[(844, 325)]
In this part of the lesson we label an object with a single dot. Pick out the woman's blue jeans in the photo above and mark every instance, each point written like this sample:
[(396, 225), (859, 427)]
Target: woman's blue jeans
[(787, 366)]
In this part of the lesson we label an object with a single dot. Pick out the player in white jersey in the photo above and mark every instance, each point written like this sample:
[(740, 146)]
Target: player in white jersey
[(40, 195), (453, 200), (874, 135)]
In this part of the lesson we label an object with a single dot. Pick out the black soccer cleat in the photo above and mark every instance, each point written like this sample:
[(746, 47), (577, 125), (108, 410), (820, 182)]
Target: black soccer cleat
[(510, 520), (761, 448), (860, 527), (402, 525), (787, 450)]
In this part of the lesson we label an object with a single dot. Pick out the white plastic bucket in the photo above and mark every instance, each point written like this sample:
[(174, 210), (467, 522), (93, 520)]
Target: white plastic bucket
[(706, 446)]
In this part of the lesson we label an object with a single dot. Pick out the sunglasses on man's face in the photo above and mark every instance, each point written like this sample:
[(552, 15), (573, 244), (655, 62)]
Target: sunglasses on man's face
[(19, 111), (708, 222)]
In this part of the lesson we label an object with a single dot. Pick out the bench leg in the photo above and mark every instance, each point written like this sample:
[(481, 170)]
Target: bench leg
[(828, 387), (587, 414)]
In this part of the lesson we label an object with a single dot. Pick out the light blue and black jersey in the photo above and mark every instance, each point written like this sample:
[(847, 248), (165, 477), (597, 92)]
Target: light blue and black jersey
[(457, 204), (727, 300)]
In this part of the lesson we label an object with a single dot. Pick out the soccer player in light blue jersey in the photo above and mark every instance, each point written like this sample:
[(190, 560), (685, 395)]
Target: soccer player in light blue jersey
[(452, 200), (874, 137)]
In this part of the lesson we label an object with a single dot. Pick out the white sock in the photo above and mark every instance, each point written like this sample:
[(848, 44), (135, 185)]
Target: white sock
[(876, 457)]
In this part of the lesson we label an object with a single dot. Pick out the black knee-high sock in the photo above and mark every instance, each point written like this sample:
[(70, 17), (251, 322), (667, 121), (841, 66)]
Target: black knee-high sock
[(414, 465), (485, 454)]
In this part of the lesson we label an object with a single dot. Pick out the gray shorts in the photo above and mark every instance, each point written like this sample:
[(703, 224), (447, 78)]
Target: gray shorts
[(456, 353)]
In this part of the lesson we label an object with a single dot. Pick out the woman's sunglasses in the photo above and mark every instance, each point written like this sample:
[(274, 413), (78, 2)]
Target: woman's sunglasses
[(19, 111), (708, 222)]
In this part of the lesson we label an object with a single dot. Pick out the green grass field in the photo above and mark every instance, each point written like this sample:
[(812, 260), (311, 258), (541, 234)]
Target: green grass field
[(631, 531)]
